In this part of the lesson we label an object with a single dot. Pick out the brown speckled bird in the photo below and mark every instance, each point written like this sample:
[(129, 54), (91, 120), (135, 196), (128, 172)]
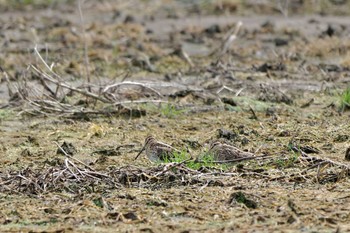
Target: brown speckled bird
[(157, 151), (224, 152)]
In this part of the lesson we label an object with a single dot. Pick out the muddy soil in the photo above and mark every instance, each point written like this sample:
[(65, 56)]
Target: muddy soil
[(81, 89)]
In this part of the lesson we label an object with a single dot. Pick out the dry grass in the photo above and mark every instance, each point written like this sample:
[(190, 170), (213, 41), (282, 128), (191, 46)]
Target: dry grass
[(68, 146)]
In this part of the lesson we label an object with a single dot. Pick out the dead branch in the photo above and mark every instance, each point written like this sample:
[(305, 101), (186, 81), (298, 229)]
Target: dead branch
[(314, 159), (77, 160), (171, 166), (107, 88), (66, 162), (239, 159), (67, 86), (44, 63), (232, 35), (224, 88)]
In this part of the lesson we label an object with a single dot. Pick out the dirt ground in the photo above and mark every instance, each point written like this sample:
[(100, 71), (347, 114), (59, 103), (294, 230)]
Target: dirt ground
[(97, 78)]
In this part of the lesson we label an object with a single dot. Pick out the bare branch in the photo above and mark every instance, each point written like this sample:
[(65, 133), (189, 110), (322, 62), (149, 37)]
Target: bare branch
[(130, 83), (229, 40), (65, 85)]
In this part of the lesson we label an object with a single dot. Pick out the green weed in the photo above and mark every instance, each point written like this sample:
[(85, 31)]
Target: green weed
[(27, 2), (98, 202), (286, 162), (6, 114), (170, 111), (206, 160), (240, 197), (180, 156), (345, 100), (165, 110)]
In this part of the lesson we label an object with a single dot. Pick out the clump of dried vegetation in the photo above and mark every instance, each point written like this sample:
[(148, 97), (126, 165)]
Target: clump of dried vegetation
[(271, 90)]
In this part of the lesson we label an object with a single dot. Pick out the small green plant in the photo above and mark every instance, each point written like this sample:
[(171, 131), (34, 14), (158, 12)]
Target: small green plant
[(170, 111), (206, 160), (6, 114), (345, 100), (98, 202), (287, 162), (30, 2), (290, 160), (240, 197), (178, 157)]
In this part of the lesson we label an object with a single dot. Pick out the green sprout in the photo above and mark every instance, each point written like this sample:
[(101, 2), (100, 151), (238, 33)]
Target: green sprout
[(287, 162), (170, 111), (177, 157), (6, 114), (345, 100), (206, 160)]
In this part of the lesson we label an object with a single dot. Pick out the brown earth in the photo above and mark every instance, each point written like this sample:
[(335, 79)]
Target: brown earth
[(276, 92)]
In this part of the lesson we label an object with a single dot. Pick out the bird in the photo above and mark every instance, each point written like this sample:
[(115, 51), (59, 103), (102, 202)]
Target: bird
[(224, 152), (157, 151)]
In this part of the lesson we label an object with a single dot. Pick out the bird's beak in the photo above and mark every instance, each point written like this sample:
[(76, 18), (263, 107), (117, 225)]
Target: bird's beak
[(143, 148)]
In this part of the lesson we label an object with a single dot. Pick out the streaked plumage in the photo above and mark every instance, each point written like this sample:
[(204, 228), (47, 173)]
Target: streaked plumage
[(224, 152), (157, 151)]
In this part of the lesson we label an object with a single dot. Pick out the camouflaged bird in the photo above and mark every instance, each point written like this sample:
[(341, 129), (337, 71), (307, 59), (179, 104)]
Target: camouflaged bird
[(157, 151), (224, 152)]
